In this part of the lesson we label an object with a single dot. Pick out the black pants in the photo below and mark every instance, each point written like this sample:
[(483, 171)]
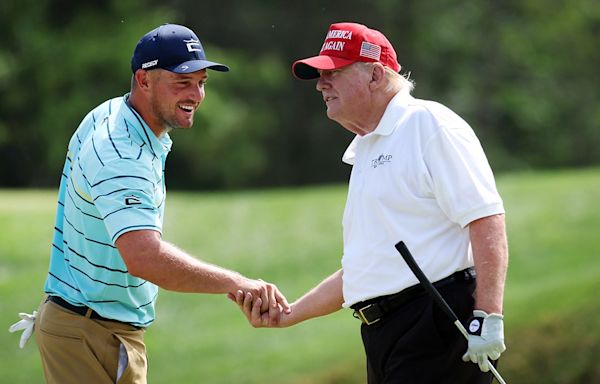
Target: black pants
[(419, 343)]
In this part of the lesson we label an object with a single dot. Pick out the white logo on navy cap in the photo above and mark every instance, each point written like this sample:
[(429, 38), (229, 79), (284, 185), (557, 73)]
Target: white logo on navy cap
[(149, 64), (193, 45)]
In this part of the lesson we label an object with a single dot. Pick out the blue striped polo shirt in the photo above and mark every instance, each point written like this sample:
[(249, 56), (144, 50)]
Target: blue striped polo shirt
[(112, 183)]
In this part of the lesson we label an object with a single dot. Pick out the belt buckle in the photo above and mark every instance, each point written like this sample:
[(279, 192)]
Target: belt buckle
[(361, 316)]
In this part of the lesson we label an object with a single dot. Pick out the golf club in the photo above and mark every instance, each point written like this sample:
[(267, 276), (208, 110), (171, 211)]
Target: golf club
[(414, 267)]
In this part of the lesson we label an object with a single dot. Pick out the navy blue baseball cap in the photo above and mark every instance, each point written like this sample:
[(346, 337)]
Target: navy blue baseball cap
[(172, 47)]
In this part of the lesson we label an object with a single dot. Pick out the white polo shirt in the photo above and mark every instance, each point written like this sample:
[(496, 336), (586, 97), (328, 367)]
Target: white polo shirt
[(421, 176)]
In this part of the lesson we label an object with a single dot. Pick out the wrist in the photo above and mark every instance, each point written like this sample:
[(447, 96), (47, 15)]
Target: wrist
[(475, 323), (292, 318), (479, 313), (234, 281), (489, 309)]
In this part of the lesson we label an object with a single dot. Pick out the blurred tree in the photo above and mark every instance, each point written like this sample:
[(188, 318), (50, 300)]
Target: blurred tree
[(227, 146), (505, 66), (552, 94), (522, 73), (301, 145), (59, 59)]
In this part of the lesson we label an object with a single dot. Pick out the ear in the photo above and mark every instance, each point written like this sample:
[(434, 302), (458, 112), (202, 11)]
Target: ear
[(142, 79), (377, 75)]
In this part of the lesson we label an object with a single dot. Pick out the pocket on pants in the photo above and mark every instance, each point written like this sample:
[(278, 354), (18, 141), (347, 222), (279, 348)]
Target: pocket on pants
[(136, 367), (123, 361), (68, 359)]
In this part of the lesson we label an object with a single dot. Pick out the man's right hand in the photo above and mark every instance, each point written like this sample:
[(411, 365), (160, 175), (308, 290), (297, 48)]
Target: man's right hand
[(274, 317), (327, 297), (269, 301)]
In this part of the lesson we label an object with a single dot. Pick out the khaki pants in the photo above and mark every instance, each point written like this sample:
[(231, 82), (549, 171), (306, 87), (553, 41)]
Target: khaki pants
[(76, 349)]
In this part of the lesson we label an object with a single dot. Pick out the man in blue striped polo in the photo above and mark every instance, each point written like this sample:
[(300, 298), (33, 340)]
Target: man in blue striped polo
[(108, 258)]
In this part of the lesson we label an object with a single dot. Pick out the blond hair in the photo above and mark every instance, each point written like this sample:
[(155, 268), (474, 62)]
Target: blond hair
[(396, 82)]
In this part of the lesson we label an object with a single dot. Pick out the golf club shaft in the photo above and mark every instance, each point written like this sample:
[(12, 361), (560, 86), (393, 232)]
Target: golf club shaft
[(414, 267)]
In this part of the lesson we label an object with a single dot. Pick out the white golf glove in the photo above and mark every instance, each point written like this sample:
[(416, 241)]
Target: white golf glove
[(26, 325), (486, 338)]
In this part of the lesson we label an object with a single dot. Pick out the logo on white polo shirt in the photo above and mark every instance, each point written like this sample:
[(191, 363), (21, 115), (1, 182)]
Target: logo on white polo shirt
[(382, 159)]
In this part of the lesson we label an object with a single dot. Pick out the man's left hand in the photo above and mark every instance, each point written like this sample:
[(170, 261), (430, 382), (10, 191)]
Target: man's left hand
[(486, 338)]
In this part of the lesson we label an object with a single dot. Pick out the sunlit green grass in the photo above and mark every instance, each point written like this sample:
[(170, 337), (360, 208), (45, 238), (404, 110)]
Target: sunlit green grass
[(554, 223), (292, 237)]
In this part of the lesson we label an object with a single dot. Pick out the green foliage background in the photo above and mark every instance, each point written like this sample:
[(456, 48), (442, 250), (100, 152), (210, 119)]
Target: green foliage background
[(524, 73)]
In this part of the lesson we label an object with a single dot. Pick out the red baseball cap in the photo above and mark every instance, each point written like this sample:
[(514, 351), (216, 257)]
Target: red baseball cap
[(347, 43)]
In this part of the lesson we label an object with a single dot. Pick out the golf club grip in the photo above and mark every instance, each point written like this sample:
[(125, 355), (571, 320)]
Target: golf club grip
[(414, 267)]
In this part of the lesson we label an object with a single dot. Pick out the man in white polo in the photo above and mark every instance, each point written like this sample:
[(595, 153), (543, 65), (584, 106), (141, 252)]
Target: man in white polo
[(419, 174)]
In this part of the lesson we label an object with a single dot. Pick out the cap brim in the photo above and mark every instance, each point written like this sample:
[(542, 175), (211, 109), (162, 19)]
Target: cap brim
[(307, 69), (197, 65)]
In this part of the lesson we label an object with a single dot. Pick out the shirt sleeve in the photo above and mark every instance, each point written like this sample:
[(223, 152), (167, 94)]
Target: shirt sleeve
[(462, 178), (128, 195)]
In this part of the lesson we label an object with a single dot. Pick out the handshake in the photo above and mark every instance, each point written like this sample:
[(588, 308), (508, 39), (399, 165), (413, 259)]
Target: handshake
[(263, 304)]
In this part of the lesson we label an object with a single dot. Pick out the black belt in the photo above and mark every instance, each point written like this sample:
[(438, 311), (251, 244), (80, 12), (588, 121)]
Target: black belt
[(372, 310), (82, 310)]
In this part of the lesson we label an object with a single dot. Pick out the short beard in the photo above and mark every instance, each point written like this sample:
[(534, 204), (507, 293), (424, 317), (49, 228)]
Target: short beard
[(155, 105)]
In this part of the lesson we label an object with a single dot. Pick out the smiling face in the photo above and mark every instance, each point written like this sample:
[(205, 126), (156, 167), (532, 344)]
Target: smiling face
[(174, 98)]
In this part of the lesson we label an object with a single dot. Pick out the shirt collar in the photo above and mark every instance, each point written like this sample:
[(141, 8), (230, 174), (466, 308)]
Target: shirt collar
[(159, 146), (385, 127), (393, 111)]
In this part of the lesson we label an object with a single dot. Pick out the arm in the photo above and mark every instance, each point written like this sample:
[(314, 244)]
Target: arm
[(490, 254), (486, 327), (148, 257), (327, 297)]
